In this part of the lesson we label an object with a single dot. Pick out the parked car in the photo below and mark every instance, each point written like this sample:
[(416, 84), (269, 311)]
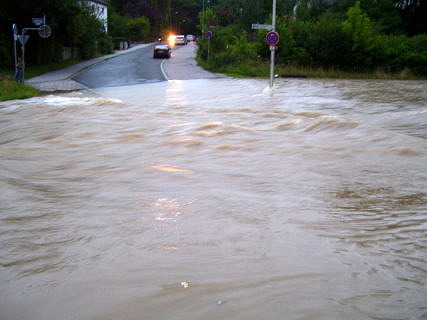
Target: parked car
[(161, 51), (181, 39), (190, 38)]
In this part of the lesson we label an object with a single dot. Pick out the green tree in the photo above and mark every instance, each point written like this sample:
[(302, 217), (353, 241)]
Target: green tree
[(360, 30), (117, 24), (138, 29), (84, 31), (206, 19), (384, 14)]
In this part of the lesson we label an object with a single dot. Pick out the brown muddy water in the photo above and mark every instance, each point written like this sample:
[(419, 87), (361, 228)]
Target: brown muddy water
[(207, 199)]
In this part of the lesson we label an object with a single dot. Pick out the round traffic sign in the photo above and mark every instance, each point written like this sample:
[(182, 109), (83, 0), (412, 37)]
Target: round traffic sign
[(272, 38), (45, 31)]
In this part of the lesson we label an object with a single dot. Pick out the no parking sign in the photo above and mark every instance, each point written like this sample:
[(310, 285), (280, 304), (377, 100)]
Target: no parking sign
[(272, 38)]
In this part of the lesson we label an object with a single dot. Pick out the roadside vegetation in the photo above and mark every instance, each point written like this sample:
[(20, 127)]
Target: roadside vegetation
[(333, 39), (262, 69), (10, 89)]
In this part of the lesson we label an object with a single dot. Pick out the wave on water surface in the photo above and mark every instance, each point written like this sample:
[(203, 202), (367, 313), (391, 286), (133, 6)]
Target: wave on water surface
[(307, 202), (72, 99)]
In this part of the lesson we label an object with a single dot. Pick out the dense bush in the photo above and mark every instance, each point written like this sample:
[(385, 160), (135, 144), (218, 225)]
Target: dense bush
[(415, 55), (314, 44), (105, 44), (138, 29), (350, 43), (228, 47)]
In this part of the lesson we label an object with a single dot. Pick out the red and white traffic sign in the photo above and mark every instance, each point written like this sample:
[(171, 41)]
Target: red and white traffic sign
[(272, 38)]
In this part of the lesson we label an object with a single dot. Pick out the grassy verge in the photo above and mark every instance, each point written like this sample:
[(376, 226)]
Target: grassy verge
[(10, 90), (34, 71), (262, 70)]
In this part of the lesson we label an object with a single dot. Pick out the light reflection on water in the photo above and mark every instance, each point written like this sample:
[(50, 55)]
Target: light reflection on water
[(208, 199)]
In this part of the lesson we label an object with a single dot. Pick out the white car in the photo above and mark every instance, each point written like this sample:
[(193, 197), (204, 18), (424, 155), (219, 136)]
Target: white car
[(180, 39), (191, 38)]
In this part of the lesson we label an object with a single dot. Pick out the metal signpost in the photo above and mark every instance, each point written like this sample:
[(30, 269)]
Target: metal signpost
[(272, 39), (15, 38), (209, 35), (44, 31)]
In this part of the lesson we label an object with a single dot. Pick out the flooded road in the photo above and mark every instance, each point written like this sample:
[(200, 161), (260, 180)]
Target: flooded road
[(206, 199)]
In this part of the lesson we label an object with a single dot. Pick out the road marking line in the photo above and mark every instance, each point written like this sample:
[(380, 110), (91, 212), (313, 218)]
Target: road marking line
[(163, 70)]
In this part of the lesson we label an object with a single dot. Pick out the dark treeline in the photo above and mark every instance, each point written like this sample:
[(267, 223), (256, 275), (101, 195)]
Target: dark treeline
[(178, 16), (390, 16), (350, 35), (344, 34), (73, 25)]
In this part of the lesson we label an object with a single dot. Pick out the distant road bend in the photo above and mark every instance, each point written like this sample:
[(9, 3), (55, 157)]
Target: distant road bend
[(139, 67), (132, 68)]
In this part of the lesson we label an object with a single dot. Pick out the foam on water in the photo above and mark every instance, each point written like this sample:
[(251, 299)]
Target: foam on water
[(69, 100)]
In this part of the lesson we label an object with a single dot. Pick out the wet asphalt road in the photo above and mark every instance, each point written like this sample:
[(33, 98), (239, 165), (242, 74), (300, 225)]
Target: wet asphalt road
[(127, 69)]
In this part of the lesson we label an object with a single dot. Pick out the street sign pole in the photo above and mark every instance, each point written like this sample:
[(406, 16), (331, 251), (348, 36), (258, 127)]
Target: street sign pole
[(44, 30), (272, 48), (272, 56), (23, 54), (15, 38), (24, 39), (209, 35)]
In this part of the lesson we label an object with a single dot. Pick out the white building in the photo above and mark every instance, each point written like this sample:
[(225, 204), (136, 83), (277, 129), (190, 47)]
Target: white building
[(100, 10)]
